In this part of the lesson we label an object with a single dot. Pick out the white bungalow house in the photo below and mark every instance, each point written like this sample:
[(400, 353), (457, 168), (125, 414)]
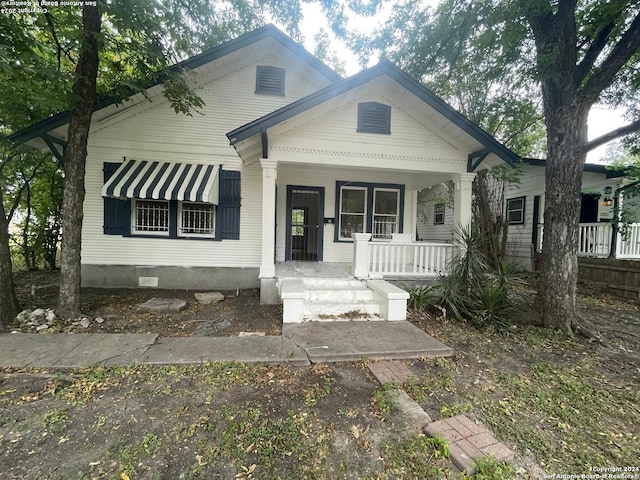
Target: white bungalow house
[(288, 163)]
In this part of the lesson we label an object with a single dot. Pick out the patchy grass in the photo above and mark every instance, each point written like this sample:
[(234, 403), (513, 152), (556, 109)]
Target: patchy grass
[(416, 457), (55, 420), (559, 413), (563, 405)]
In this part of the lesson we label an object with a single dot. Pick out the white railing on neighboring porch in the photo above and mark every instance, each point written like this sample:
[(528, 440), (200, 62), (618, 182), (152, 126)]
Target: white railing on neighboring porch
[(628, 245), (595, 241), (400, 258)]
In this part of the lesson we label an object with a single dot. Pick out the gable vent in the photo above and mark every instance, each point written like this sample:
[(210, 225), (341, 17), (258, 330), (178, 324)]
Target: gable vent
[(374, 117), (270, 80)]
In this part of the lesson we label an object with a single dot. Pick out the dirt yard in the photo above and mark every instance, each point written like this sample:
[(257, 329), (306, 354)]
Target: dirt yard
[(565, 406), (238, 312)]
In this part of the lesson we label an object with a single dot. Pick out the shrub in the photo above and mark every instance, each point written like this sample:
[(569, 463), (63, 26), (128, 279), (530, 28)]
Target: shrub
[(475, 288)]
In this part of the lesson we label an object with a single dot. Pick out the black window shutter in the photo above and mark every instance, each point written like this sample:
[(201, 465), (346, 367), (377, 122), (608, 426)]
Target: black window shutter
[(228, 210), (374, 117), (270, 80), (117, 213)]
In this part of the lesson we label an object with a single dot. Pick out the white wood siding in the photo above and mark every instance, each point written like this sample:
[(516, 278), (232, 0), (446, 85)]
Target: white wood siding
[(335, 130), (427, 231), (152, 131)]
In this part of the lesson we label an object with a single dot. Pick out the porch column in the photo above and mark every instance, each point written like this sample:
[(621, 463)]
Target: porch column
[(462, 198), (269, 174)]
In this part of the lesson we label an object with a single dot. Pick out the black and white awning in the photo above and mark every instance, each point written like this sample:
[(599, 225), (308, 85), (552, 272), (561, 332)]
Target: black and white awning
[(193, 182)]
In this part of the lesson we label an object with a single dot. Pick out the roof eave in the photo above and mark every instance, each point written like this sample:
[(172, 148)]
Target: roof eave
[(62, 118), (252, 128)]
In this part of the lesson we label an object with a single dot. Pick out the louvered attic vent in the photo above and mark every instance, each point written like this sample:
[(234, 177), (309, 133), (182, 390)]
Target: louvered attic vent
[(374, 117), (270, 80)]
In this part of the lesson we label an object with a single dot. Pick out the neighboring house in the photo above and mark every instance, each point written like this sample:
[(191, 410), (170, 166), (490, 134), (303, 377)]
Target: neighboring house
[(288, 162), (601, 189)]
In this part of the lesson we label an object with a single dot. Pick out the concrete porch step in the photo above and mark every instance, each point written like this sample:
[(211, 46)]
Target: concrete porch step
[(339, 295), (341, 299), (333, 283), (341, 309)]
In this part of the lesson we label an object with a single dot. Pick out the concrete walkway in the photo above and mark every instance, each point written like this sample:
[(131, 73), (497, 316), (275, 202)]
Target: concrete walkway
[(300, 344)]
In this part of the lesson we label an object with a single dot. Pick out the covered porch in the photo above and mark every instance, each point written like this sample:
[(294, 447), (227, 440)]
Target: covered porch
[(336, 221)]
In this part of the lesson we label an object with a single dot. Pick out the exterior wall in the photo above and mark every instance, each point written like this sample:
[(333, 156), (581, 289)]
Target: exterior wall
[(335, 129), (152, 131), (519, 243), (427, 230), (316, 176)]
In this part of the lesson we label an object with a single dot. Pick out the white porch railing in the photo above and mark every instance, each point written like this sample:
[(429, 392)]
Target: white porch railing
[(628, 246), (398, 259), (595, 241)]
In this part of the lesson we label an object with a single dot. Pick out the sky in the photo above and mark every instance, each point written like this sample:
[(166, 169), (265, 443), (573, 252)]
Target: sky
[(601, 119)]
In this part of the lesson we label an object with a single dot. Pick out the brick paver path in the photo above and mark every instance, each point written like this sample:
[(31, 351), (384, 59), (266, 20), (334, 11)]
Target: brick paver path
[(390, 372), (468, 441)]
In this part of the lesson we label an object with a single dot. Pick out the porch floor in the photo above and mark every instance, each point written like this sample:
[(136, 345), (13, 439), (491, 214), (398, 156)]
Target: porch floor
[(313, 270)]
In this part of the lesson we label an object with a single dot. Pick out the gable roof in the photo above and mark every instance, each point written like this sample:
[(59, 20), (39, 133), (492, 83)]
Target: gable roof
[(489, 143), (55, 121)]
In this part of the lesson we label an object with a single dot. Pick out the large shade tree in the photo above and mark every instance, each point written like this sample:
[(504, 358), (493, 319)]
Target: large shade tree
[(578, 53), (585, 52)]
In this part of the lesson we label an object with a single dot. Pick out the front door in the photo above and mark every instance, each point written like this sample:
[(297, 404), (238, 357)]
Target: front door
[(305, 222)]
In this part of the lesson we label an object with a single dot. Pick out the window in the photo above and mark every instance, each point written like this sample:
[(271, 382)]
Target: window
[(353, 209), (151, 216), (298, 221), (196, 219), (270, 80), (374, 117), (385, 213), (515, 210), (375, 208), (438, 214)]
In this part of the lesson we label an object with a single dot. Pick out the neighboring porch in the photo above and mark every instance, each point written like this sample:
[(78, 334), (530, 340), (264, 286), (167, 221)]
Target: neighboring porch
[(597, 240)]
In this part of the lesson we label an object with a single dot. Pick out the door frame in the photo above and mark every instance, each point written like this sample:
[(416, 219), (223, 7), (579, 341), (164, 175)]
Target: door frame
[(289, 207)]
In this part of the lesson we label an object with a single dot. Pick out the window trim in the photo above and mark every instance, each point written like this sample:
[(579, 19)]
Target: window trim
[(261, 70), (439, 209), (521, 210), (397, 215), (385, 110), (146, 233), (179, 233), (369, 186), (340, 212)]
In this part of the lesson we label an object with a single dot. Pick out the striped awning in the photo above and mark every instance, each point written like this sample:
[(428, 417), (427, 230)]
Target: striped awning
[(193, 182)]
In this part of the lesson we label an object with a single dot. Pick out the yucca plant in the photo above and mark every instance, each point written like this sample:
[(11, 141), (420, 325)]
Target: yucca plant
[(476, 290)]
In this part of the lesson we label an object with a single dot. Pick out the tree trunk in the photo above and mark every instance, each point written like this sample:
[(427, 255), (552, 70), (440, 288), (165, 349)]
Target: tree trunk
[(567, 133), (9, 305), (84, 90), (25, 229)]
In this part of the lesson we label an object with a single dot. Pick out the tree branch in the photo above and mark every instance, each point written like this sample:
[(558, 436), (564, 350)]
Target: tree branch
[(620, 55), (59, 49), (612, 135), (593, 52)]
